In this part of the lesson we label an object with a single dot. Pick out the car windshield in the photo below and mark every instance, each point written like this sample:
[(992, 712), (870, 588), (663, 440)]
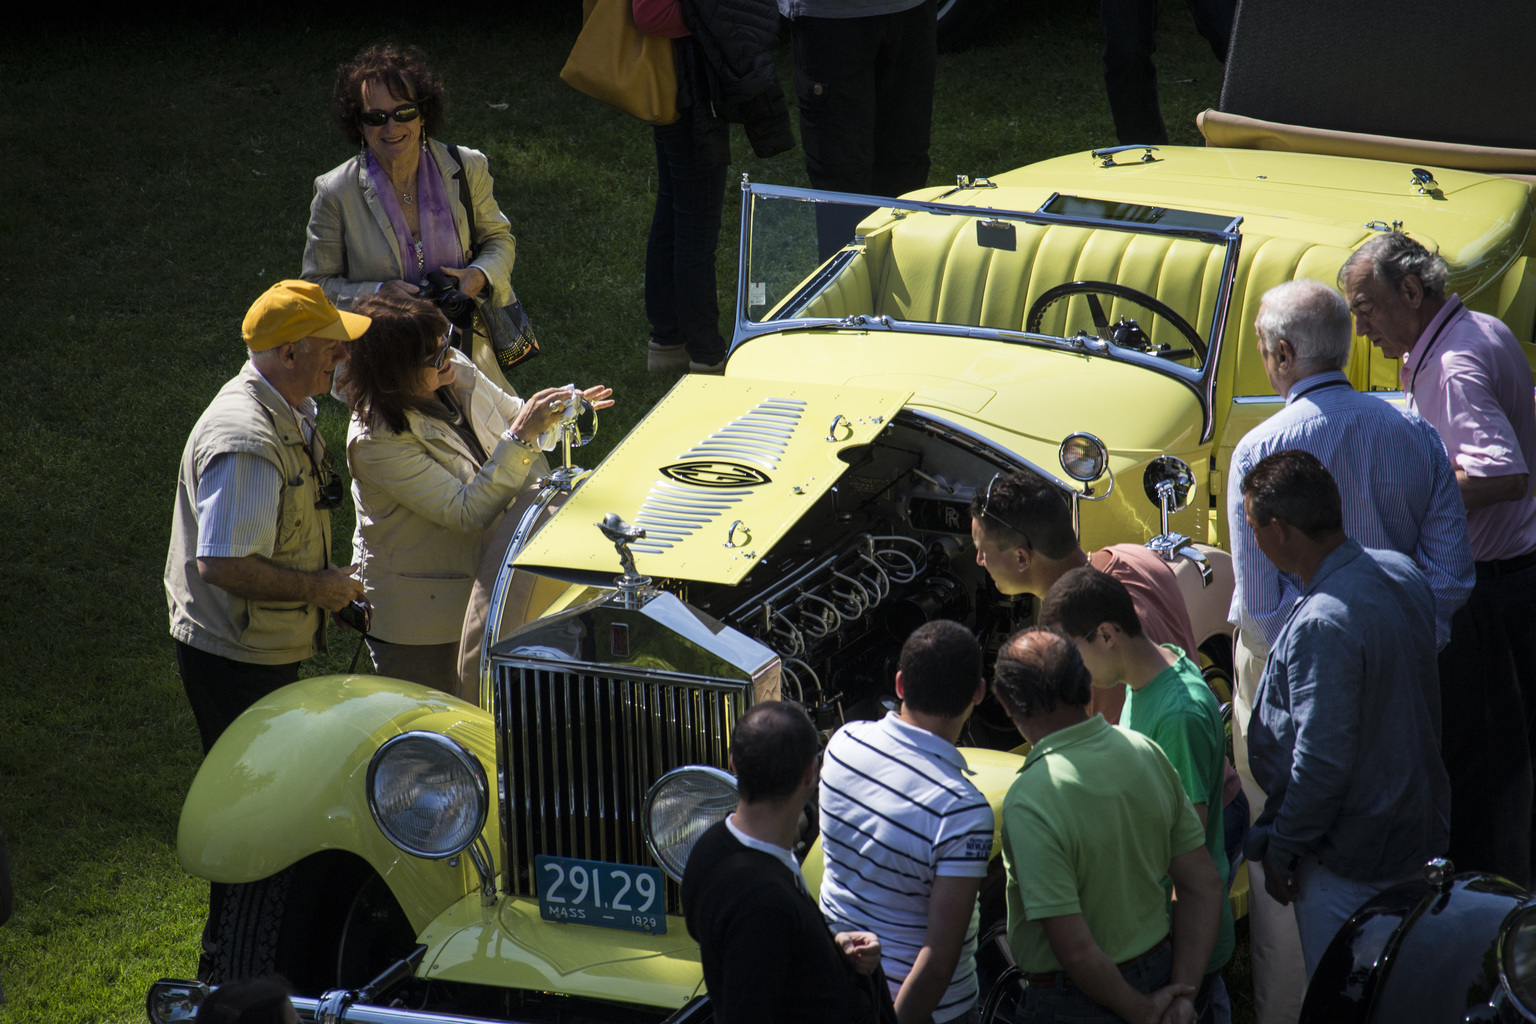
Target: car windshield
[(1133, 282)]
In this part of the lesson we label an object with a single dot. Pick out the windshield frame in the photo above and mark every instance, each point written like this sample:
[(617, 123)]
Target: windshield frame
[(1202, 381)]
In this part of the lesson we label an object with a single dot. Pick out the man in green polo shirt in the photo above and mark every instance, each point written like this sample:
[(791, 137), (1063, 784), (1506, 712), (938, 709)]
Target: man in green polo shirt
[(1095, 821), (1168, 702)]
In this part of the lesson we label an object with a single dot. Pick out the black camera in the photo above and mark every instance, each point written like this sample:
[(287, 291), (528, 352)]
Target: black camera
[(358, 615), (443, 291)]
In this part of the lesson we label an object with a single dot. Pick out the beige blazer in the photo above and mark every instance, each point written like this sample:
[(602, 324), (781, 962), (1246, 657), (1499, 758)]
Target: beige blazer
[(350, 247), (425, 510)]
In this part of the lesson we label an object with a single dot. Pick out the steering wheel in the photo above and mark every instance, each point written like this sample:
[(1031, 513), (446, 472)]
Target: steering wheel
[(1093, 289)]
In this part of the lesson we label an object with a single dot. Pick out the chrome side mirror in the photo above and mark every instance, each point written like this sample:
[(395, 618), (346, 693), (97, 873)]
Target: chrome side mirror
[(1170, 485), (582, 427)]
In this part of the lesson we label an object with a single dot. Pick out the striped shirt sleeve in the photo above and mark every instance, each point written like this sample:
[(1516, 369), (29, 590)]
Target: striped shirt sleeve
[(238, 497)]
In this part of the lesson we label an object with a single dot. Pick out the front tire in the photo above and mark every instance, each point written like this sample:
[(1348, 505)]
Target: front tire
[(326, 922)]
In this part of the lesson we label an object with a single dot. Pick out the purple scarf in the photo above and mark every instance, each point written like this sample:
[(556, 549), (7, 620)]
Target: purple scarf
[(440, 245)]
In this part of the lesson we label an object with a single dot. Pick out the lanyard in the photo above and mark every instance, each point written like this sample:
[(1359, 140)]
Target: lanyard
[(1428, 351)]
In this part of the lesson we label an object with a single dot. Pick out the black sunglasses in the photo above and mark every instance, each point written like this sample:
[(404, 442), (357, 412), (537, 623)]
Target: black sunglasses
[(986, 510), (403, 114), (444, 348)]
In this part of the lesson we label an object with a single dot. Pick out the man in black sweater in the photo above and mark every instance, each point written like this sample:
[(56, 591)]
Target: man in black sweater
[(766, 952)]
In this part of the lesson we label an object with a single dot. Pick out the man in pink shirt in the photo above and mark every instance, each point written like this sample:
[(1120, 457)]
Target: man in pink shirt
[(1022, 526), (1465, 373)]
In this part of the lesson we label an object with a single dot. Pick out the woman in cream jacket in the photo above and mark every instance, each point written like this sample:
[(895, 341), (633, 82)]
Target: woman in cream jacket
[(436, 452)]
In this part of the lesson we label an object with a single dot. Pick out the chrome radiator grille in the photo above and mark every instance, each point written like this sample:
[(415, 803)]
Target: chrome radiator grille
[(578, 750)]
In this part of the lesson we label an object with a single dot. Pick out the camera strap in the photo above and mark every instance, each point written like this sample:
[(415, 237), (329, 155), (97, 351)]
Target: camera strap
[(469, 209)]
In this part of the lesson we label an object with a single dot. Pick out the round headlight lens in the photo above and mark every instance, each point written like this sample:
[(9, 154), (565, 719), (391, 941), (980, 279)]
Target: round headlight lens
[(1083, 457), (680, 807), (428, 794), (1517, 957)]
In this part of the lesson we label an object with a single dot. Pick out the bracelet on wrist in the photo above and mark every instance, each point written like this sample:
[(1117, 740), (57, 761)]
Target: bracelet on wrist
[(531, 446)]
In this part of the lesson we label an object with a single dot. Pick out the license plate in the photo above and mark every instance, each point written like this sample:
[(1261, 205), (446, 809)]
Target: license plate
[(607, 895)]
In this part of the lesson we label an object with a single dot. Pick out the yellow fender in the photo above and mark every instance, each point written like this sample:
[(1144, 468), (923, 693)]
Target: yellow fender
[(288, 779)]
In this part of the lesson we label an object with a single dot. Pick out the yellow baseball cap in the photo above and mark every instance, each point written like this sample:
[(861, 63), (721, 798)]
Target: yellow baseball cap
[(291, 310)]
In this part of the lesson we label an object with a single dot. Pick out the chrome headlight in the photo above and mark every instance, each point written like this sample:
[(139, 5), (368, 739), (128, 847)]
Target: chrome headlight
[(680, 807), (1517, 957), (1083, 457), (174, 1002), (428, 794)]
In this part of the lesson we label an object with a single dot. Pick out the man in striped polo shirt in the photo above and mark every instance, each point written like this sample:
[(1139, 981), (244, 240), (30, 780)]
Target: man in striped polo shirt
[(906, 836)]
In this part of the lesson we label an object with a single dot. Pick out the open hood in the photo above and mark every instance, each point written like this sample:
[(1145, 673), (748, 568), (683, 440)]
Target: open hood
[(716, 474)]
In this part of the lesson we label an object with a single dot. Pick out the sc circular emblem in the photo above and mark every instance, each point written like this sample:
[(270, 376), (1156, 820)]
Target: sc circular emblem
[(715, 473)]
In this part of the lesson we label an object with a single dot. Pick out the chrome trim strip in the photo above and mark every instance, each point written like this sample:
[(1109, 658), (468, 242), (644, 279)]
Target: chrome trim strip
[(1258, 400), (1214, 344)]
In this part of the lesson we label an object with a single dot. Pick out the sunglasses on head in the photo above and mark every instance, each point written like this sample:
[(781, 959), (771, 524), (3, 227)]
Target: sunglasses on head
[(403, 114), (444, 348), (986, 510)]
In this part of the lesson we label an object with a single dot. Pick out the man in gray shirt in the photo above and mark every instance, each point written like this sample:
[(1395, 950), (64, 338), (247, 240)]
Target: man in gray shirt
[(1345, 734), (864, 73)]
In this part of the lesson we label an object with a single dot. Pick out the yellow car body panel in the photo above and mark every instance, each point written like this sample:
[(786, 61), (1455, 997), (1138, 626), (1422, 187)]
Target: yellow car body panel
[(287, 780), (709, 455), (1035, 402), (508, 945)]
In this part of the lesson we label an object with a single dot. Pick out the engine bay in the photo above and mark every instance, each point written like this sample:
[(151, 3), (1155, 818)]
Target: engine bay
[(884, 550)]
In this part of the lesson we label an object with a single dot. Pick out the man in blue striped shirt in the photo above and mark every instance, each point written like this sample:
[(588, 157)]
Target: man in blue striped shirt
[(1401, 495), (905, 834)]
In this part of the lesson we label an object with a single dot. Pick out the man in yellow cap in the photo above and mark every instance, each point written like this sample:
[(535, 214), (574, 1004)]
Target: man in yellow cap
[(249, 574)]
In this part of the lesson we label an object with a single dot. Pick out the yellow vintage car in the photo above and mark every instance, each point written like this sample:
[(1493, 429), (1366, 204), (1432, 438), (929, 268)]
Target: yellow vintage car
[(780, 530)]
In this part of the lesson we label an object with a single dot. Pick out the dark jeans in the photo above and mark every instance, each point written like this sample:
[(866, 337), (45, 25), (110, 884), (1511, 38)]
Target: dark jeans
[(1516, 596), (865, 91), (680, 297), (1130, 77), (1065, 1001), (1483, 738), (219, 689)]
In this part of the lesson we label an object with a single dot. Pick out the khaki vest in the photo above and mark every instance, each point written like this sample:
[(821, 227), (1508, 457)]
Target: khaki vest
[(247, 415)]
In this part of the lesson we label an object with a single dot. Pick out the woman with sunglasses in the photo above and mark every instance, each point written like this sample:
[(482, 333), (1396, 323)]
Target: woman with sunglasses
[(394, 213), (437, 452)]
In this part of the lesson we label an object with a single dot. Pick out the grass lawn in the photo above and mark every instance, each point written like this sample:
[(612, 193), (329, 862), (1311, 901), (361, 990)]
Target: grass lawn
[(155, 182)]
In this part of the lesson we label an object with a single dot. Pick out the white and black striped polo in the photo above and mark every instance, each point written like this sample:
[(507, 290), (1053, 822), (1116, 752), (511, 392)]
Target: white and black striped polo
[(896, 812)]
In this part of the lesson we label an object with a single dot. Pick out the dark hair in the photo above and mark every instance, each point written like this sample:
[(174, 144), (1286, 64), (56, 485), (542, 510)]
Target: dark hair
[(383, 367), (404, 72), (1083, 598), (771, 747), (1392, 257), (1039, 669), (940, 665), (255, 1001), (1293, 486), (1027, 510)]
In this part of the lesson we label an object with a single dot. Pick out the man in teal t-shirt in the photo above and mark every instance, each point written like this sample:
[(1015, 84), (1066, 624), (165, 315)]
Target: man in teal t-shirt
[(1169, 703)]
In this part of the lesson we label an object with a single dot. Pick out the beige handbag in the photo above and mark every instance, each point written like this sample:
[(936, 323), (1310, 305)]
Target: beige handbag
[(614, 63)]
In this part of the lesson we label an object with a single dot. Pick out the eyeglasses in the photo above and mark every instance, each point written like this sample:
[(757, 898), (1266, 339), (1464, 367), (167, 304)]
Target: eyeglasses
[(328, 489), (444, 348), (403, 114), (986, 510)]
